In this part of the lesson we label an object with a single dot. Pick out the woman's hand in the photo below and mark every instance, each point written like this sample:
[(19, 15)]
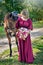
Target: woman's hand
[(23, 37)]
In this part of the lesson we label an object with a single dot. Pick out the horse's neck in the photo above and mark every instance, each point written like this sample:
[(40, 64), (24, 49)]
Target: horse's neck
[(11, 25), (9, 22)]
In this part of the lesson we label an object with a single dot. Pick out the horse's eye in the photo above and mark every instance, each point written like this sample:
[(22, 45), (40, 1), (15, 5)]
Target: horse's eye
[(10, 15)]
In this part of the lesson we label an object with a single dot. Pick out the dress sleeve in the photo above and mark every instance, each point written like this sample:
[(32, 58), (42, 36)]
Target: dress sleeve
[(30, 24), (17, 24)]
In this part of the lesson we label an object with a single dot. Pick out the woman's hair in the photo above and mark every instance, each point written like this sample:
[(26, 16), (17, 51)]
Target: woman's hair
[(25, 13)]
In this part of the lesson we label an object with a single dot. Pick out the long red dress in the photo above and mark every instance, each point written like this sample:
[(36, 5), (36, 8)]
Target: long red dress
[(24, 46)]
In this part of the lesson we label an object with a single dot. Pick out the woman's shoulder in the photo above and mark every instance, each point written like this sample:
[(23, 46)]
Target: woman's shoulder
[(19, 18), (29, 18)]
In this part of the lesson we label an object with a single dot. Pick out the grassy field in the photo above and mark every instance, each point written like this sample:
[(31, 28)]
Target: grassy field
[(38, 24), (37, 50)]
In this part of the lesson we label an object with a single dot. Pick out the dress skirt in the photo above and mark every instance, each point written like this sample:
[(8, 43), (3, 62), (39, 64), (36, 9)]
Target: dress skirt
[(25, 50)]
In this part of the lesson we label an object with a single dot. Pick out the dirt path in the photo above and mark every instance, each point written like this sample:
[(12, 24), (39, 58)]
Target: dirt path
[(4, 42)]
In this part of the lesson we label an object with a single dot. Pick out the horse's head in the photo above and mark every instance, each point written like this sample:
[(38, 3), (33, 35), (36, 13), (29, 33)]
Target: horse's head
[(14, 16)]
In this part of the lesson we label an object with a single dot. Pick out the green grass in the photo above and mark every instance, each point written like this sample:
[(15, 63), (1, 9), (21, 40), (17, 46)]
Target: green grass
[(37, 50), (38, 24), (2, 32)]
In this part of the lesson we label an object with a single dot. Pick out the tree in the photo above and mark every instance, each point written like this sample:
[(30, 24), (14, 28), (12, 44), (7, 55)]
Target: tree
[(9, 6)]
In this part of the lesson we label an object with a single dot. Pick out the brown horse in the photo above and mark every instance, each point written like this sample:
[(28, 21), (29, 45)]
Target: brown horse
[(9, 26)]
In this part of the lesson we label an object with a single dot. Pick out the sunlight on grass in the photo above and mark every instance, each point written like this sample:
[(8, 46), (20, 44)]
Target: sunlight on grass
[(6, 52), (35, 50)]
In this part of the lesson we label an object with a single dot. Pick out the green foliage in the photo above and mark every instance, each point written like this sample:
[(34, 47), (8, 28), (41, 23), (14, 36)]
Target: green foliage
[(9, 6), (18, 5), (35, 13), (35, 8)]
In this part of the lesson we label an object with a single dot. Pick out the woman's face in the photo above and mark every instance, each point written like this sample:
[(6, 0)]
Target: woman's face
[(25, 14), (22, 15)]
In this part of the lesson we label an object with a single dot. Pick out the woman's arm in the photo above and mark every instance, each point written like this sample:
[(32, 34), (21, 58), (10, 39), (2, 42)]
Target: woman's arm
[(30, 27)]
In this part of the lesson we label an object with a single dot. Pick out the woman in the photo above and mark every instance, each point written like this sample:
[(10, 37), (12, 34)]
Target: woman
[(24, 45)]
